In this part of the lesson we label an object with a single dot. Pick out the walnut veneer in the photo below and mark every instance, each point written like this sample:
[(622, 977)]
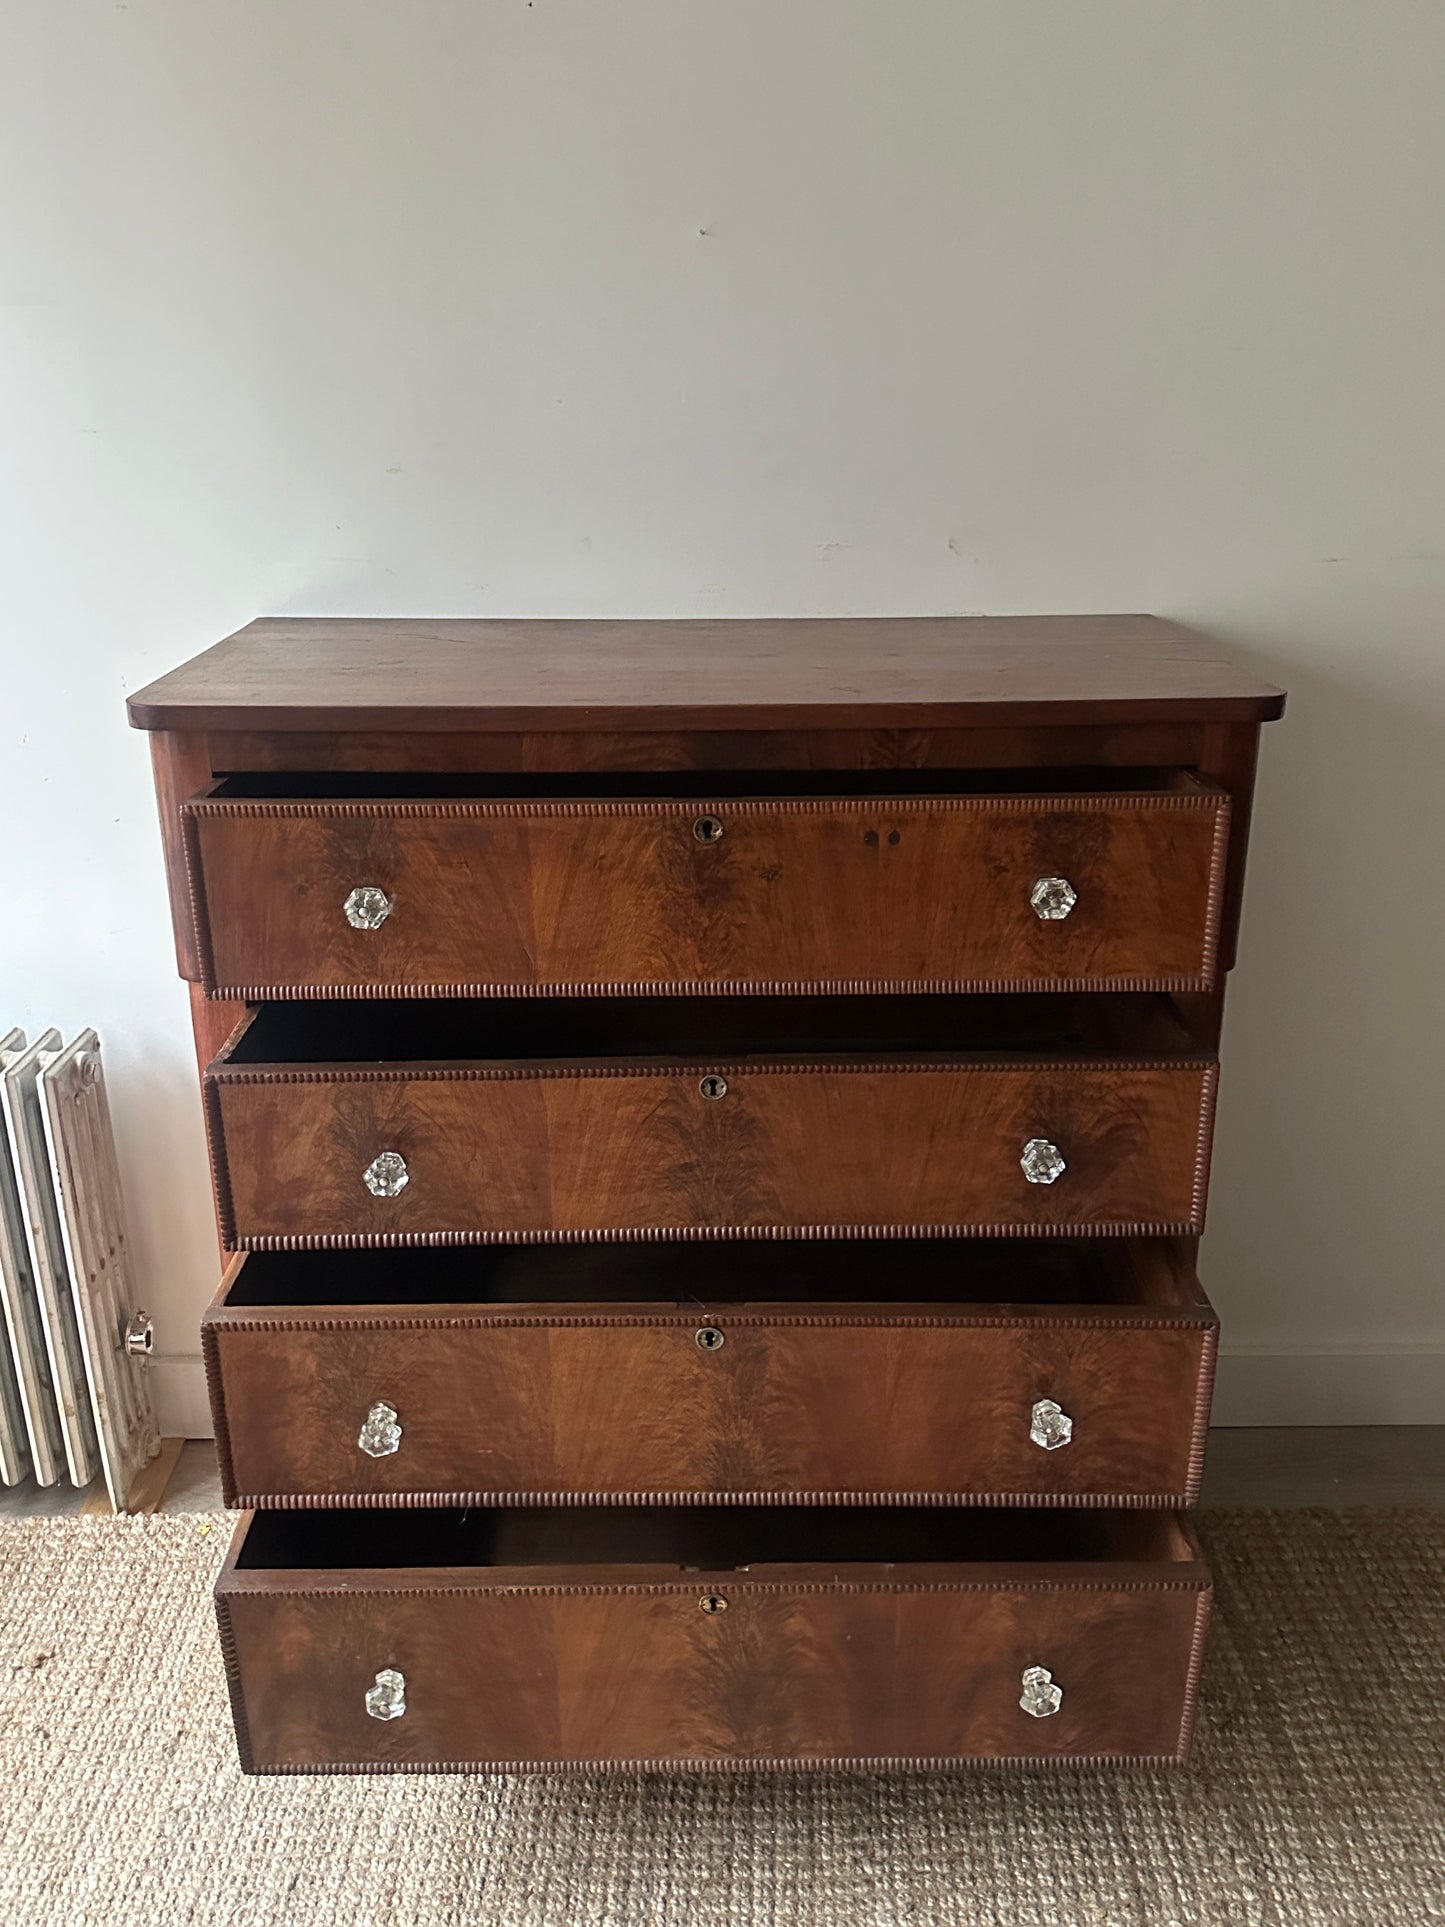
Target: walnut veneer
[(710, 1125)]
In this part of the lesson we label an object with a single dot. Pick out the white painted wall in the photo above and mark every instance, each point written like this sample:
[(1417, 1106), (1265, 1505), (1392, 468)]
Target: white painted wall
[(808, 306)]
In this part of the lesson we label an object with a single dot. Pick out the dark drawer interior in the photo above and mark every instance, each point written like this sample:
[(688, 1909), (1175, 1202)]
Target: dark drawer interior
[(720, 1028), (717, 1539), (663, 785), (960, 1271)]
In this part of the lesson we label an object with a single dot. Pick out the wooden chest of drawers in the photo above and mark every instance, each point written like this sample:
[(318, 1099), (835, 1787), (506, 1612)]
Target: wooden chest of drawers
[(710, 1125)]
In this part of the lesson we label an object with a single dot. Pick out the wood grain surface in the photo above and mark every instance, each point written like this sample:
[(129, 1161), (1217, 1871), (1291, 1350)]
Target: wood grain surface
[(1075, 744), (494, 896), (606, 1149), (569, 1663), (853, 1399), (325, 673), (815, 1173)]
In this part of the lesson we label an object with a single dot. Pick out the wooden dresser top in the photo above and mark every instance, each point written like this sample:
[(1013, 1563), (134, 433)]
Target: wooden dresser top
[(324, 673)]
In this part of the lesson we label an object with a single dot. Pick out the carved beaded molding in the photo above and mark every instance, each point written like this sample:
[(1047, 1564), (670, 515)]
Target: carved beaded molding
[(924, 1501), (1046, 802), (1197, 799), (349, 1584), (698, 987), (672, 1234), (300, 1502), (386, 1319), (751, 1763), (213, 1330), (687, 1068), (757, 1763), (221, 1074)]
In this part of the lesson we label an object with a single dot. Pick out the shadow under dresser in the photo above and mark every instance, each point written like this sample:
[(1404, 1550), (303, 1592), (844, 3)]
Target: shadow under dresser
[(710, 1125)]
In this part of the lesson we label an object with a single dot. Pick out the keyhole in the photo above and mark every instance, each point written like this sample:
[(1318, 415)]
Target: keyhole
[(713, 1085), (709, 1338), (707, 829), (713, 1602)]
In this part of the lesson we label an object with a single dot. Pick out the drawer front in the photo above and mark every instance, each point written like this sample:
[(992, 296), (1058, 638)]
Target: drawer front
[(903, 1147), (830, 1403), (872, 1668), (478, 898)]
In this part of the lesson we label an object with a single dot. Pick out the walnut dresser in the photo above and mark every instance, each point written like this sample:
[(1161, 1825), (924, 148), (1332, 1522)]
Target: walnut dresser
[(711, 1125)]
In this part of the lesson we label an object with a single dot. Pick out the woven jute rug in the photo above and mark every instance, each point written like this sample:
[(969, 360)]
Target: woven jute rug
[(1316, 1792)]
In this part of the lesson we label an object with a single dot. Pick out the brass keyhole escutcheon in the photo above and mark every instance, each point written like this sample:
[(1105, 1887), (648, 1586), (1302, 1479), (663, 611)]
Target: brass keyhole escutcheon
[(709, 1338), (708, 829), (713, 1602), (713, 1085)]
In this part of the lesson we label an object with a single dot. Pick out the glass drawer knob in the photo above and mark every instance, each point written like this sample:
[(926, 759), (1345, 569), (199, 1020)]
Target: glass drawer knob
[(1042, 1161), (368, 907), (1040, 1695), (381, 1434), (1053, 898), (386, 1176), (1051, 1426), (387, 1699)]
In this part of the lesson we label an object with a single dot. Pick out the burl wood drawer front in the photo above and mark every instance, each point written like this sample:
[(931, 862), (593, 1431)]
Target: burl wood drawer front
[(471, 1152), (557, 1639), (344, 898), (713, 1401)]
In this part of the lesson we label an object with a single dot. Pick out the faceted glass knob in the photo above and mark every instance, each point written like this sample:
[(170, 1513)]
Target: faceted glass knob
[(380, 1433), (1051, 1426), (386, 1176), (1040, 1695), (368, 907), (387, 1699), (1042, 1162), (1053, 898)]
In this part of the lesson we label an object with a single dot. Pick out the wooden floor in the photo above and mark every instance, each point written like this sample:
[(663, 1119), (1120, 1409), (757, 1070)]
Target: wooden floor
[(1284, 1466), (1345, 1465), (194, 1485)]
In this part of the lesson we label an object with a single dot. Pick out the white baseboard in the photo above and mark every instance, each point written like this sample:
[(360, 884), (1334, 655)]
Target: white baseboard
[(1384, 1387), (1405, 1387)]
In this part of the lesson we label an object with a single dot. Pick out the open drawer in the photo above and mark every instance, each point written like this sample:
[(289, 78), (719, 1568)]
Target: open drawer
[(376, 1641), (499, 1119), (955, 880), (908, 1371)]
